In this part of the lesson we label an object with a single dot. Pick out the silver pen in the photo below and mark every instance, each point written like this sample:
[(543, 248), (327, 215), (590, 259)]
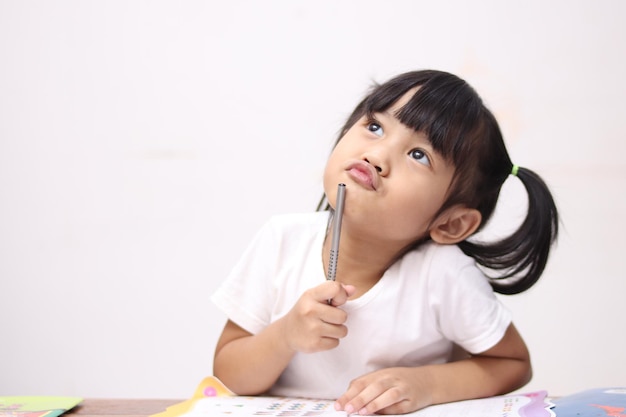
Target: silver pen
[(334, 248)]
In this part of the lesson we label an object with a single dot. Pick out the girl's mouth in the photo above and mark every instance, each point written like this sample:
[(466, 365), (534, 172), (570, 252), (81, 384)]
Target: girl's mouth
[(364, 174)]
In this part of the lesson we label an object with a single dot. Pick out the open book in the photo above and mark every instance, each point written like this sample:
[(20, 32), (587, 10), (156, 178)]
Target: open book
[(213, 399), (609, 402), (36, 406)]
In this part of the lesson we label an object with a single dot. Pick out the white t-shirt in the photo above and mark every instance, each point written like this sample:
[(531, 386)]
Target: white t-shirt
[(429, 299)]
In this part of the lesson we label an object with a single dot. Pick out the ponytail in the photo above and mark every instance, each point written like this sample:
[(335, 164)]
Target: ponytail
[(522, 256)]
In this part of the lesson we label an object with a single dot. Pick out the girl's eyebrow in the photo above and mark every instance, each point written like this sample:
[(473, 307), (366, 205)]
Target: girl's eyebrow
[(388, 114), (421, 138)]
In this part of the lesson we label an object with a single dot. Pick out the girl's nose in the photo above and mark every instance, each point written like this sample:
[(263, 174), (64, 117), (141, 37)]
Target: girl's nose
[(378, 168), (379, 161), (379, 155)]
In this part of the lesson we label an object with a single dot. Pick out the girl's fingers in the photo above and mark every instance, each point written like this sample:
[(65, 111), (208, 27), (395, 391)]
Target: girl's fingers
[(374, 394), (343, 292)]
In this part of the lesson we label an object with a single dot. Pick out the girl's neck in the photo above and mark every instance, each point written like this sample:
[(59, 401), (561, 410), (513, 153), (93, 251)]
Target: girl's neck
[(361, 262)]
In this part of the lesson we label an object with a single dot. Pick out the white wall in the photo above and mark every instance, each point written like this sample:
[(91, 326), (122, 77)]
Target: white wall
[(142, 143)]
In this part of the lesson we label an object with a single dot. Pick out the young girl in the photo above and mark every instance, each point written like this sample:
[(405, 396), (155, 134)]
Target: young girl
[(423, 161)]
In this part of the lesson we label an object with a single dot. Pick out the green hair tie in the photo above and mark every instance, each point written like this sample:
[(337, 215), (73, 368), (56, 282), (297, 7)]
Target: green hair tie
[(514, 170)]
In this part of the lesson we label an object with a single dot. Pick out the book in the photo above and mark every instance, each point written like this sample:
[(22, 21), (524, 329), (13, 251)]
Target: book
[(597, 402), (36, 406), (213, 399)]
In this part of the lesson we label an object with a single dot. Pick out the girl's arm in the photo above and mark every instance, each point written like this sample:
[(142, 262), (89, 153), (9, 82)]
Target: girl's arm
[(501, 369), (249, 364)]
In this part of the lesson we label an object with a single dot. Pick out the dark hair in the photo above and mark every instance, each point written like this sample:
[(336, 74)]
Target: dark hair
[(466, 133)]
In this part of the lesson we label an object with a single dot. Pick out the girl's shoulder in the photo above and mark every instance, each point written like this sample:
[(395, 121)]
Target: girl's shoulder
[(444, 265), (433, 254)]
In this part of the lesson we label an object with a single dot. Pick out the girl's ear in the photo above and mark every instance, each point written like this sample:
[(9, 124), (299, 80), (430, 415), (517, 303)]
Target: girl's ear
[(455, 225)]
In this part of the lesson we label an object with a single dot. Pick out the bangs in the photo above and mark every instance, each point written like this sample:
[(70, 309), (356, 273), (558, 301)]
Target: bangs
[(444, 107)]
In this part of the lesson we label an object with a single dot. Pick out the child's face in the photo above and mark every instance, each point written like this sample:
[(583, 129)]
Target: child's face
[(395, 182)]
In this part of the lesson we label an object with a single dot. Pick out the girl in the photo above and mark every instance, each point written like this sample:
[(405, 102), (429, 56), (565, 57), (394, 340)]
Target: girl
[(423, 161)]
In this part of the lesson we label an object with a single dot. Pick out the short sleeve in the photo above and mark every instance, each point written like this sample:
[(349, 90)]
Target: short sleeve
[(467, 310), (245, 296)]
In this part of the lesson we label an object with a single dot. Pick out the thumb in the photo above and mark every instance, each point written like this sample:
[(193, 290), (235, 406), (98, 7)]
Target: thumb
[(341, 297), (350, 289)]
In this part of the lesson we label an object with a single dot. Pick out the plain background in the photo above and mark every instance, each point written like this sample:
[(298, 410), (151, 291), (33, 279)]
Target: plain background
[(143, 143)]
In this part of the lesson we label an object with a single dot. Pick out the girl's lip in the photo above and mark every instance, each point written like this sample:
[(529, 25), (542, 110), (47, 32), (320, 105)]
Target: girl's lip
[(364, 174)]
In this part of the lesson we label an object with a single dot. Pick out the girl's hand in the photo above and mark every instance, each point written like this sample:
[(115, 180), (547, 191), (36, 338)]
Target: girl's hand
[(314, 325), (387, 391), (503, 368)]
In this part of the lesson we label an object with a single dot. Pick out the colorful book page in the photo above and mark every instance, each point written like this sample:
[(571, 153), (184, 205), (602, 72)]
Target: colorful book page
[(599, 402), (262, 406), (213, 399), (523, 405), (36, 406)]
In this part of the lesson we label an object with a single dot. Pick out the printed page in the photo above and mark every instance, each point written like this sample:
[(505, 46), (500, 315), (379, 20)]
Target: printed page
[(529, 405), (213, 399), (523, 405), (262, 406)]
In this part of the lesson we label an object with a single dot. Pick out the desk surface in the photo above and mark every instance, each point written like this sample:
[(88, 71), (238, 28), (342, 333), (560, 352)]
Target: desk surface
[(119, 408)]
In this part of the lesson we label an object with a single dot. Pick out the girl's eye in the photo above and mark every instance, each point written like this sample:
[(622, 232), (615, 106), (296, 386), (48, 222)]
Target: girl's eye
[(419, 156), (375, 128)]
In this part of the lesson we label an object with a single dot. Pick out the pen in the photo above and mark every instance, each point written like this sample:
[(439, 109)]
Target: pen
[(334, 249)]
